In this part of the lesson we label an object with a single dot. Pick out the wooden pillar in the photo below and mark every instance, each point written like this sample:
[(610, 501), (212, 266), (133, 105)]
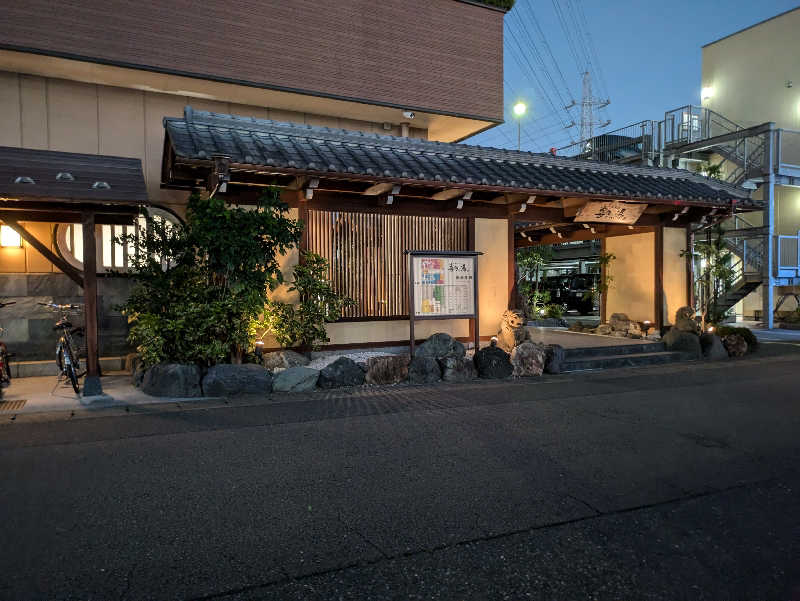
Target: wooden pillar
[(302, 215), (690, 300), (91, 383), (658, 295), (604, 293)]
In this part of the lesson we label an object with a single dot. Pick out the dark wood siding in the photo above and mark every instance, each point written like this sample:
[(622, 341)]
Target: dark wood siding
[(365, 254), (438, 55)]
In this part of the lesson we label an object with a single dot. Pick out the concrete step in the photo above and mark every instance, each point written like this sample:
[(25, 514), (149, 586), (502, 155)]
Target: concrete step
[(624, 360), (622, 349), (30, 369)]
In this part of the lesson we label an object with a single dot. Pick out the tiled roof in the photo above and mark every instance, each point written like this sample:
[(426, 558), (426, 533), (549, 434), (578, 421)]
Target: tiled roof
[(328, 151), (70, 176)]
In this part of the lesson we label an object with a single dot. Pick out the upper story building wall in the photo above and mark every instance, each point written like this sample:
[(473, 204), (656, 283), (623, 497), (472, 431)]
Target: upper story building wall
[(439, 58), (748, 72)]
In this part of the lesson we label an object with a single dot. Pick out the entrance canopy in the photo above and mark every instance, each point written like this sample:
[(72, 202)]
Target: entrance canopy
[(63, 187), (325, 167)]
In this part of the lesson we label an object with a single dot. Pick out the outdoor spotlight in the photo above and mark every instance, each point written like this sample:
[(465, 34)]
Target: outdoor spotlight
[(552, 230), (8, 237), (710, 329), (409, 114), (706, 93)]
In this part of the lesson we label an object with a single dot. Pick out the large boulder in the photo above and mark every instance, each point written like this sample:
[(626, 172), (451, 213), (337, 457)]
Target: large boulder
[(712, 348), (439, 346), (682, 342), (172, 380), (603, 329), (528, 359), (284, 359), (512, 330), (390, 369), (295, 379), (736, 345), (619, 322), (424, 370), (577, 327), (228, 380), (458, 369), (342, 372), (493, 362), (554, 358)]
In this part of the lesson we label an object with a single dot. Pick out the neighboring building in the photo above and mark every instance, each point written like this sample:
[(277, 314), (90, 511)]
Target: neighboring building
[(352, 107), (752, 77)]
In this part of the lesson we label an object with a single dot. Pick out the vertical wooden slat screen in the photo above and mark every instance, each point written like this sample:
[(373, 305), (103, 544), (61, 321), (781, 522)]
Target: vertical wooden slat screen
[(365, 254)]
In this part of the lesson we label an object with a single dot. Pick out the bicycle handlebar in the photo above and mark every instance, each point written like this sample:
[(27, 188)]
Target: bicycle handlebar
[(59, 307)]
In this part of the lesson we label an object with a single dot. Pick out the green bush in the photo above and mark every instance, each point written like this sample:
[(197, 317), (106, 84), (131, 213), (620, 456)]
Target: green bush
[(749, 337), (504, 4), (554, 311), (303, 324), (793, 317), (200, 287)]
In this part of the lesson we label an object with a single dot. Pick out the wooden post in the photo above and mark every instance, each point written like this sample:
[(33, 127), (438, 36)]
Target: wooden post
[(473, 323), (659, 278), (512, 264), (91, 383), (411, 303), (475, 320), (690, 300), (604, 293)]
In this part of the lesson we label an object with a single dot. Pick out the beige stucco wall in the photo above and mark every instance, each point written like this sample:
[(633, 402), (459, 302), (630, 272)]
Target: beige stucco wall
[(632, 289), (70, 116), (491, 238), (749, 70), (26, 259), (675, 294)]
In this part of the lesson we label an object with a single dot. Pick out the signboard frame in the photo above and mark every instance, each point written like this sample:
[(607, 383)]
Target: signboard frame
[(444, 254)]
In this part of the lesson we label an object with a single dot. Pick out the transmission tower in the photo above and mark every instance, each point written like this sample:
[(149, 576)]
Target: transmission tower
[(588, 105)]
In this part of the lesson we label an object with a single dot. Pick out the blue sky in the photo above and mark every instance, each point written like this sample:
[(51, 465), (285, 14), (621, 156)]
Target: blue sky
[(648, 52)]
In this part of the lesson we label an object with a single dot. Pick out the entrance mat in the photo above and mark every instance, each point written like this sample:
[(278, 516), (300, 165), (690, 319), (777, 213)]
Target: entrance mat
[(6, 406)]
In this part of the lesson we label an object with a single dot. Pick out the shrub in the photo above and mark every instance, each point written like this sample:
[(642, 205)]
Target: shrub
[(554, 311), (504, 4), (749, 337), (303, 324), (200, 287)]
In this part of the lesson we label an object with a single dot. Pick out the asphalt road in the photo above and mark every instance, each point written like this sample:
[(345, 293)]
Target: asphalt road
[(679, 482)]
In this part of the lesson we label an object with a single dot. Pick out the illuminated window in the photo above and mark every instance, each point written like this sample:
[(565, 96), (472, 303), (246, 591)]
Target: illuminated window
[(8, 237)]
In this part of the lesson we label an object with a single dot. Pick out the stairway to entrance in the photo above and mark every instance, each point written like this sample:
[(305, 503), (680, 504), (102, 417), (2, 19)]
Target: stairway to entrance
[(628, 355)]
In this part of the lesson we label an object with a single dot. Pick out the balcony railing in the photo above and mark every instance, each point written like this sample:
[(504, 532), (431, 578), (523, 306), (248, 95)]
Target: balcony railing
[(788, 256), (632, 143)]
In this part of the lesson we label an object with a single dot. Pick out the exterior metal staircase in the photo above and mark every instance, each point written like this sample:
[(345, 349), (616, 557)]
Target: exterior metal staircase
[(741, 288)]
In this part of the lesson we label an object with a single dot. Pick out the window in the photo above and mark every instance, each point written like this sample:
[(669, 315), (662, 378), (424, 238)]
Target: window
[(365, 254), (111, 254)]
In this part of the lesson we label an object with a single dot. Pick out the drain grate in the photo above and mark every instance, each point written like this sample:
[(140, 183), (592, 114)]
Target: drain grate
[(6, 406)]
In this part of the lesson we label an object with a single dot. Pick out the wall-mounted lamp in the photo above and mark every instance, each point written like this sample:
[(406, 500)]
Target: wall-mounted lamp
[(9, 238), (706, 93)]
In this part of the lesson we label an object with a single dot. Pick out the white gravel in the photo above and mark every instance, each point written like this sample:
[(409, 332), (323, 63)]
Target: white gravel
[(325, 358)]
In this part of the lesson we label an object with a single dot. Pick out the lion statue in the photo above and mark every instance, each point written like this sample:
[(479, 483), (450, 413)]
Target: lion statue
[(512, 330)]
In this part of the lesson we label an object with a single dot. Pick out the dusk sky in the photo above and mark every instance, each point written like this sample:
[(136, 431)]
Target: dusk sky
[(649, 56)]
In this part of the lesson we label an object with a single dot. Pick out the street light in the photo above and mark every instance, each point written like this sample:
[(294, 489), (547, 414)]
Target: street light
[(519, 111)]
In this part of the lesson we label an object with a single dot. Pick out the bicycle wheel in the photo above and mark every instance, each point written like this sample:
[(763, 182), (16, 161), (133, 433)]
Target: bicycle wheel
[(7, 367), (73, 378)]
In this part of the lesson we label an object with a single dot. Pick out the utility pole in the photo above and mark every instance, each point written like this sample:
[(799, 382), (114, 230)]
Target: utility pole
[(588, 104)]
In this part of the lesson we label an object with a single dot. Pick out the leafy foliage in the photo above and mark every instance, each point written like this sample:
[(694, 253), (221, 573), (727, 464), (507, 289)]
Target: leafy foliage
[(715, 276), (530, 262), (200, 287), (504, 4), (709, 170), (304, 324), (554, 310)]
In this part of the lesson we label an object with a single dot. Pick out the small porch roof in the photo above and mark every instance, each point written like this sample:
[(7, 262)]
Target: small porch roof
[(269, 147)]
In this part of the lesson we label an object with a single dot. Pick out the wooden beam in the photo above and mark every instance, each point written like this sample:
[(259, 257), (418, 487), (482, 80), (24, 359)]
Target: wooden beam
[(91, 383), (606, 231), (376, 189), (659, 278), (448, 193), (68, 269), (65, 217)]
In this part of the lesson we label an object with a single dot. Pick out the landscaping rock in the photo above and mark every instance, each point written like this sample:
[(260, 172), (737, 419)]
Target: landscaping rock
[(684, 324), (295, 379), (172, 380), (684, 342), (229, 380), (284, 359), (342, 372), (440, 345), (735, 345), (554, 358), (684, 313), (458, 369), (493, 362), (619, 322), (577, 327), (390, 369), (135, 366), (712, 348), (634, 330), (424, 370), (512, 330), (604, 329), (528, 359)]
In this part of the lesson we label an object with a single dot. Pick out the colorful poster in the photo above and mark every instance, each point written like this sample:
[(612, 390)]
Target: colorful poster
[(443, 286)]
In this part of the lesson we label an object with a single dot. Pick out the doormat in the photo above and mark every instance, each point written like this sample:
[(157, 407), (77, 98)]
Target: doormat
[(6, 406)]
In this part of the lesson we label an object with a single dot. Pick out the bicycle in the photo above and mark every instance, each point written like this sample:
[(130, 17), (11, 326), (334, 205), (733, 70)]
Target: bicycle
[(5, 366), (66, 351)]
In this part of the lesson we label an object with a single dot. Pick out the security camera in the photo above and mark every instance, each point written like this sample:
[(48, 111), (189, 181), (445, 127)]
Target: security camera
[(408, 114)]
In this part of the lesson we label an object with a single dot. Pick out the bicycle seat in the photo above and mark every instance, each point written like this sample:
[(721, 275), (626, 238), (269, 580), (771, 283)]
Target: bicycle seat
[(62, 323)]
